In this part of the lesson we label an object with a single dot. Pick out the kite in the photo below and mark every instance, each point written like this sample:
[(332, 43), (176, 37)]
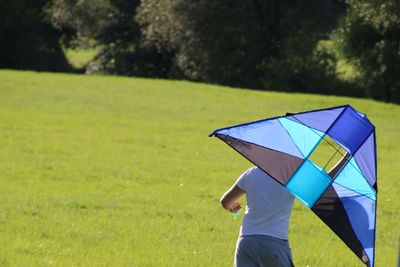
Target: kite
[(286, 148)]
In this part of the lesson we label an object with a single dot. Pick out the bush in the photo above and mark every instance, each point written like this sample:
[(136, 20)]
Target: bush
[(112, 25), (369, 35), (28, 41)]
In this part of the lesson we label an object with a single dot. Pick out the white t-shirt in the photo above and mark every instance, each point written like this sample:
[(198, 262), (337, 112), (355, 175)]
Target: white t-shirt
[(269, 205)]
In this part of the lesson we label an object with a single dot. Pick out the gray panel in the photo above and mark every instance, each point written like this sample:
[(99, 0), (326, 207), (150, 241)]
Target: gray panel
[(279, 165)]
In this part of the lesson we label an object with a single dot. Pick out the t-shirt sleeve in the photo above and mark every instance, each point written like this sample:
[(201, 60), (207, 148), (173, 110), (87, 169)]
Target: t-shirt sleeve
[(241, 181)]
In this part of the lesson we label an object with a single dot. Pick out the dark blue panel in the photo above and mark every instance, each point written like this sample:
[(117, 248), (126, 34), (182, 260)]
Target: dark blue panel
[(351, 129)]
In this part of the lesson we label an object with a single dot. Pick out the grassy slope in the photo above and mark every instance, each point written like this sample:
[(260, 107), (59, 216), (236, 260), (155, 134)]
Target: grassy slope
[(79, 58), (106, 171)]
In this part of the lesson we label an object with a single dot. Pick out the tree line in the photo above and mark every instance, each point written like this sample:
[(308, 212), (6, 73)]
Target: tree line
[(341, 47)]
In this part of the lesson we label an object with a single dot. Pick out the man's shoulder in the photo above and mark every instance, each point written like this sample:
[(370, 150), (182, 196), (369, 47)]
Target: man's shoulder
[(255, 175), (258, 176), (256, 171)]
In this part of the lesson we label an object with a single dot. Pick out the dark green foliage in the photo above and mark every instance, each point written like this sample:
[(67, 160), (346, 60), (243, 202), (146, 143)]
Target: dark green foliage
[(27, 40), (111, 24), (300, 63), (213, 42), (303, 65), (262, 44), (256, 44), (124, 59), (370, 33), (80, 20)]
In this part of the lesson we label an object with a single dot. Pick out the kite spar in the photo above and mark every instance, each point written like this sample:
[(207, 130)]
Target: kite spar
[(283, 147)]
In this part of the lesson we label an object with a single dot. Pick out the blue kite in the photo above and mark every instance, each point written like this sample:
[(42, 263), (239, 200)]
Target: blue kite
[(283, 147)]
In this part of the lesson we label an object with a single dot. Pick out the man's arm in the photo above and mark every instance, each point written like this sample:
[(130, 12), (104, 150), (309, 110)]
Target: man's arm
[(335, 169), (230, 197)]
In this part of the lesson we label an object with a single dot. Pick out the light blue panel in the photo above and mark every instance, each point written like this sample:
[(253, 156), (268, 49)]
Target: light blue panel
[(361, 212), (304, 137), (308, 183), (351, 177), (268, 133), (365, 158)]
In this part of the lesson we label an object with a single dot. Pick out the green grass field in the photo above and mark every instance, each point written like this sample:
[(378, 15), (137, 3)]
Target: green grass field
[(107, 171), (79, 58)]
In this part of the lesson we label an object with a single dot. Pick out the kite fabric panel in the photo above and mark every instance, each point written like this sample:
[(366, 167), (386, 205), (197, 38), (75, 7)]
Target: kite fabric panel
[(284, 147)]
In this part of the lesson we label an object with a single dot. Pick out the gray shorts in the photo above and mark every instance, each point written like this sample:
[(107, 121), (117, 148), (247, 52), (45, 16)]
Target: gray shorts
[(263, 251)]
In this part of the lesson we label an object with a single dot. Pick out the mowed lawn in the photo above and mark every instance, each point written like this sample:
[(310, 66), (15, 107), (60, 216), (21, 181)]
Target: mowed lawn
[(107, 171)]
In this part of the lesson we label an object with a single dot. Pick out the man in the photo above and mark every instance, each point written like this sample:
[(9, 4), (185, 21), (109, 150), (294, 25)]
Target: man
[(263, 238)]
